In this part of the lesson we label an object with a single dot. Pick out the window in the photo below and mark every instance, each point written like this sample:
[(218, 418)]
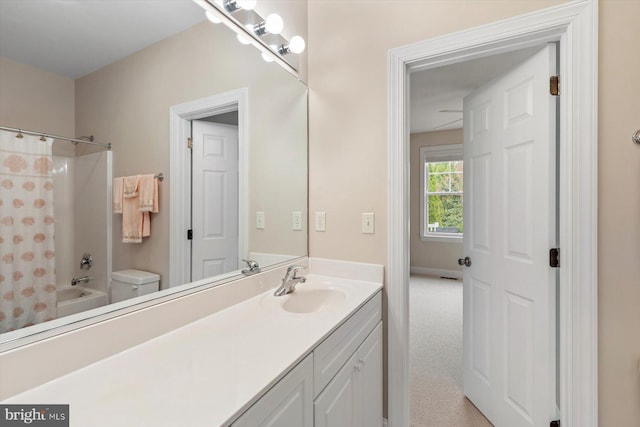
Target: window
[(441, 191)]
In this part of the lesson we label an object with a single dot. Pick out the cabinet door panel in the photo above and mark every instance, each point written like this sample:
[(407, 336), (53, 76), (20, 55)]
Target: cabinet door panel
[(370, 359), (288, 404), (336, 406)]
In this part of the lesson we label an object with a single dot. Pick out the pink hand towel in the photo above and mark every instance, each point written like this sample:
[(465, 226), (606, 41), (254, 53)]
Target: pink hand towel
[(148, 193), (140, 198), (131, 217), (146, 224), (131, 221), (130, 185), (117, 195)]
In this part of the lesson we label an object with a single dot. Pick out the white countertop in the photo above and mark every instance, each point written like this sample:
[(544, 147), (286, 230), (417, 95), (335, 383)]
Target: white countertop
[(205, 373)]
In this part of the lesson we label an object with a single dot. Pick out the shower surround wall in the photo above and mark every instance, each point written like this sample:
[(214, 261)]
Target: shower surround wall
[(63, 173), (82, 191), (92, 223)]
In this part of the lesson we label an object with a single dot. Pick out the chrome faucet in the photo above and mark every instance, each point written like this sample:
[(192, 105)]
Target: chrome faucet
[(87, 261), (84, 279), (253, 267), (290, 281)]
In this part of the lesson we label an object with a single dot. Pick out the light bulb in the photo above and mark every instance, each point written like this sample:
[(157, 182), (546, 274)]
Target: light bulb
[(212, 17), (296, 44), (242, 39), (266, 56), (274, 24), (246, 4)]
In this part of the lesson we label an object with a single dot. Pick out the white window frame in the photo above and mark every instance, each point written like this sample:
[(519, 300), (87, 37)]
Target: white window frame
[(437, 153)]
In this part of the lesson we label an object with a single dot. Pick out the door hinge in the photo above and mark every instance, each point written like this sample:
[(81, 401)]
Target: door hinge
[(555, 423), (554, 85), (189, 234), (190, 143), (554, 257)]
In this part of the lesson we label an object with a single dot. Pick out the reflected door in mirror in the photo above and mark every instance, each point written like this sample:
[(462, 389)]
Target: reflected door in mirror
[(214, 199)]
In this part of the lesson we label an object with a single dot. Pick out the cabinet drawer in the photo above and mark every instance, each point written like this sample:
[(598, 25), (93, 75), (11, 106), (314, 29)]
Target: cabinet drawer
[(334, 351)]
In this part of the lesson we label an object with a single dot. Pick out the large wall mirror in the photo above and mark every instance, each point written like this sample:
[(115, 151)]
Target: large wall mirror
[(177, 97)]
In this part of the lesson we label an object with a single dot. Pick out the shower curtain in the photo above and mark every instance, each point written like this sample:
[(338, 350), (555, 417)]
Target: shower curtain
[(27, 253)]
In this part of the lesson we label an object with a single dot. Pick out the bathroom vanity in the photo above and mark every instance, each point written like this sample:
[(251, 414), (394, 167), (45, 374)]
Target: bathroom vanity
[(313, 357), (339, 382)]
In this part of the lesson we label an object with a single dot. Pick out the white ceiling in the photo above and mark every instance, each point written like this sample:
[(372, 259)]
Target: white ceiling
[(76, 37), (444, 88)]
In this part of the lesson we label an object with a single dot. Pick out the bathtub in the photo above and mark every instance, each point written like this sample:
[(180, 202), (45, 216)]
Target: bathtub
[(74, 299)]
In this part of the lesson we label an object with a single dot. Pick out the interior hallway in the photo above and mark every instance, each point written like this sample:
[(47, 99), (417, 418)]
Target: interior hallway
[(436, 368)]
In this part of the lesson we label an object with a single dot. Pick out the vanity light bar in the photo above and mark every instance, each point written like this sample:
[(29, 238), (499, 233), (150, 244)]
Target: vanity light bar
[(232, 6), (213, 8)]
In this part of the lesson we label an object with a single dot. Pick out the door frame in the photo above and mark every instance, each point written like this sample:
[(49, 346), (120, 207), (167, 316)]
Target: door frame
[(574, 26), (180, 117)]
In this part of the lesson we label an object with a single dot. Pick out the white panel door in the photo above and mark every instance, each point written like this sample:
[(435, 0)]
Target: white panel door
[(510, 225), (214, 207)]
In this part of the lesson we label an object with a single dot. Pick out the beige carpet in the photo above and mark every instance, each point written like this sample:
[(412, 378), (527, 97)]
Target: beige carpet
[(435, 356)]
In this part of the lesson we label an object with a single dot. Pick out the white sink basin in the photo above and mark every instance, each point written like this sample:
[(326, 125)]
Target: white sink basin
[(315, 296), (313, 301)]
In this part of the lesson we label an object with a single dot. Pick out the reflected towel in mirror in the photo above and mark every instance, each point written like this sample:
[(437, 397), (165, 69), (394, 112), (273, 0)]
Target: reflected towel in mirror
[(140, 198), (117, 195), (148, 193)]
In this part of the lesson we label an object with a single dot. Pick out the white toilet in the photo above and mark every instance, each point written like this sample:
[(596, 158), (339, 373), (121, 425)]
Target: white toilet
[(127, 284)]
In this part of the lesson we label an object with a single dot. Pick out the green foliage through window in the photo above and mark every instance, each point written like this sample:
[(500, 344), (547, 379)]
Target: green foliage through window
[(444, 197)]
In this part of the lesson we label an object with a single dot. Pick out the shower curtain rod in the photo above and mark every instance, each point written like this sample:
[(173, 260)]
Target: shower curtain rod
[(47, 135)]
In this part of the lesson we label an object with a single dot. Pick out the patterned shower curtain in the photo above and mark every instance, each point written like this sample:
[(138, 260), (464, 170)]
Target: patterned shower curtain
[(27, 253)]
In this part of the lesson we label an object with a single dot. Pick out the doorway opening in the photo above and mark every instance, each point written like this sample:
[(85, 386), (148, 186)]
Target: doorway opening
[(574, 26), (441, 134)]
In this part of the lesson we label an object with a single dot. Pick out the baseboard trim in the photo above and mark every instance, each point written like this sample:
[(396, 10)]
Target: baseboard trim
[(438, 272)]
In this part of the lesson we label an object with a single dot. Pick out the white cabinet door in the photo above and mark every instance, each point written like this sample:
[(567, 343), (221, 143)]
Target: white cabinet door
[(337, 404), (370, 361), (288, 404), (353, 398)]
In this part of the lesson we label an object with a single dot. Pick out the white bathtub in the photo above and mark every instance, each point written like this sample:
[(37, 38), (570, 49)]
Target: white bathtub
[(75, 299)]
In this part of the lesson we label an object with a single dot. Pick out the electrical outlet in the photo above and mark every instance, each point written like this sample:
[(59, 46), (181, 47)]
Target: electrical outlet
[(297, 221), (368, 223), (320, 221), (260, 220)]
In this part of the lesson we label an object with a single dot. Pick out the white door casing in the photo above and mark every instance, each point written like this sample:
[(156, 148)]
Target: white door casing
[(509, 217), (575, 25), (214, 199)]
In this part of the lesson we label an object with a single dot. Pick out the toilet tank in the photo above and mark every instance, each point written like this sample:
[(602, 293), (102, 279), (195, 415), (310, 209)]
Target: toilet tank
[(127, 284)]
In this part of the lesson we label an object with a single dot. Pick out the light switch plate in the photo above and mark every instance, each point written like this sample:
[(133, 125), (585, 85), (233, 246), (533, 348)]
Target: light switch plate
[(260, 220), (320, 221), (368, 223), (297, 221)]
